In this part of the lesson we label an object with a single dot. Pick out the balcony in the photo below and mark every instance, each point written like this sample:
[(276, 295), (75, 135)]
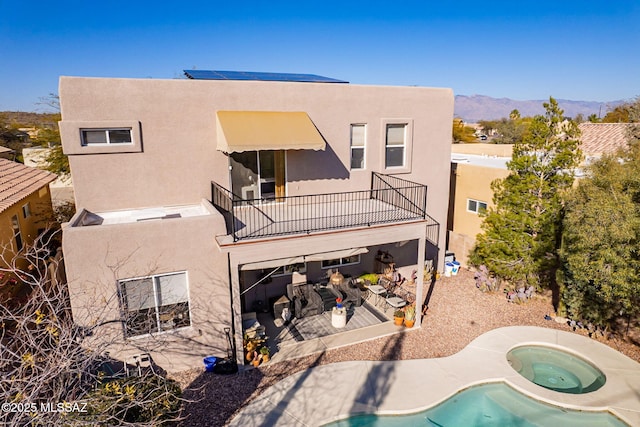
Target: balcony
[(389, 200)]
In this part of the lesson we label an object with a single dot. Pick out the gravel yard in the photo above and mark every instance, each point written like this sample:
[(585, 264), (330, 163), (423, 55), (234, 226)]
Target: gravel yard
[(457, 313)]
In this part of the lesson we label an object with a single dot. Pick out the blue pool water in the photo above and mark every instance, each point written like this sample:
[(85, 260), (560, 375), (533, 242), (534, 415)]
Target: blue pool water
[(486, 405), (556, 370)]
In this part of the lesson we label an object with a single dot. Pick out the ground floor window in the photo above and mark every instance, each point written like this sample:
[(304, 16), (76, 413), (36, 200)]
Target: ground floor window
[(155, 303), (476, 206), (300, 267), (355, 259)]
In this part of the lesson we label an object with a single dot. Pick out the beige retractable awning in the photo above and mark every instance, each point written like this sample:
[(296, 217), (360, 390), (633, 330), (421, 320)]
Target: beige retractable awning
[(239, 131)]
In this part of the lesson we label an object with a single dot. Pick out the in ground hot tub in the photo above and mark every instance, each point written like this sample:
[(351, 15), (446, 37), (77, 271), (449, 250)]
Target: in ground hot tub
[(555, 369)]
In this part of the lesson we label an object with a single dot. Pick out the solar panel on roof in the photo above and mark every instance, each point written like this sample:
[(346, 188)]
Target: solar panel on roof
[(253, 75)]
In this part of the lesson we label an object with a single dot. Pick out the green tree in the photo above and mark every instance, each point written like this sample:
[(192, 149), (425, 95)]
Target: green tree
[(521, 233), (512, 130), (601, 236), (56, 161), (593, 118), (462, 132), (620, 114)]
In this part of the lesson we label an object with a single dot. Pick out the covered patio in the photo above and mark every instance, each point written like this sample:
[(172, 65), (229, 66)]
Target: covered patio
[(266, 286)]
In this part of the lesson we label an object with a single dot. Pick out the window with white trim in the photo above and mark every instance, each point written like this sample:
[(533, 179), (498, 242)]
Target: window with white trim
[(108, 136), (395, 145), (338, 262), (476, 206), (300, 267), (155, 303), (17, 234), (26, 210), (358, 138)]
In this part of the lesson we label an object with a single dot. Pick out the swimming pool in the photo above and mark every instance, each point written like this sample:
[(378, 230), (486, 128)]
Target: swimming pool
[(555, 369), (494, 404)]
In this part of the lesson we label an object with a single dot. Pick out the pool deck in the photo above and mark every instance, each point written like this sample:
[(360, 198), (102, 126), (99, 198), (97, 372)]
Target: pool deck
[(331, 392)]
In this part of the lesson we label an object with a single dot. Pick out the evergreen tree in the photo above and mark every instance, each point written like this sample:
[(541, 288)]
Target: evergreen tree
[(521, 233)]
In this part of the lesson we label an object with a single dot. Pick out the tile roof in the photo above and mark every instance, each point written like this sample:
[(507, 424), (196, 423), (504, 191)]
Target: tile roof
[(18, 181), (603, 138)]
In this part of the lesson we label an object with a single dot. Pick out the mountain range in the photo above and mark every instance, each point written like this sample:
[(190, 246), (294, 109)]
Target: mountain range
[(480, 107)]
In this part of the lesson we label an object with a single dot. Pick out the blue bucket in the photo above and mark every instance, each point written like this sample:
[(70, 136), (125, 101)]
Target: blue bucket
[(210, 363), (448, 269), (456, 268)]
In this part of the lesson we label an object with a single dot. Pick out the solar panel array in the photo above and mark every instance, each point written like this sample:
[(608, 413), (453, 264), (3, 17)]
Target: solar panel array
[(252, 75)]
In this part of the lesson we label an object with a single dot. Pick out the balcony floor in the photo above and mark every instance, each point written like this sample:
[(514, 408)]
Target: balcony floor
[(254, 221)]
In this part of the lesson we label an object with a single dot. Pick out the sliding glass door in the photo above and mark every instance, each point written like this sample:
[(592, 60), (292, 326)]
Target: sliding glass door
[(258, 175)]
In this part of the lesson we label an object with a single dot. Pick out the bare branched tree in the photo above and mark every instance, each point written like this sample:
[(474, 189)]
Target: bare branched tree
[(49, 373)]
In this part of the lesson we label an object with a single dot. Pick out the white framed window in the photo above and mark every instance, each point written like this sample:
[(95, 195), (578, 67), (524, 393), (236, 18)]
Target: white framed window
[(395, 145), (338, 262), (300, 267), (358, 139), (107, 136), (17, 234), (26, 210), (155, 303), (476, 206)]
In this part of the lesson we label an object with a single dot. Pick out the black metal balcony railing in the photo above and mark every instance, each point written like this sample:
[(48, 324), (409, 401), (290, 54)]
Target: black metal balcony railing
[(390, 199)]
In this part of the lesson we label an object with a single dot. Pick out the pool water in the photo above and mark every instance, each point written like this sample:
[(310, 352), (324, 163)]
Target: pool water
[(556, 370), (486, 405)]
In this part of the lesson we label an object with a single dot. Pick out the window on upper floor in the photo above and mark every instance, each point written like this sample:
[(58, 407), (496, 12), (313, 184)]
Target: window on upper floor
[(155, 304), (476, 206), (106, 136), (395, 145), (358, 138)]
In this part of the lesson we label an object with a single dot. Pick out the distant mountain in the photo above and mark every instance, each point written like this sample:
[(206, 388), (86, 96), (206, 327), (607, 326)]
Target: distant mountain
[(480, 107)]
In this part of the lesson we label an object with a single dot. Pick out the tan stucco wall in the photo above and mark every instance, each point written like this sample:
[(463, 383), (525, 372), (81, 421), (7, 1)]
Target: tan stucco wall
[(483, 149), (41, 217), (98, 256), (472, 182)]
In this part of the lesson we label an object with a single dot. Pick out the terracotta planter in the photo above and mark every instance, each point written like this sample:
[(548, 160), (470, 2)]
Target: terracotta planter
[(256, 362), (398, 321), (409, 323)]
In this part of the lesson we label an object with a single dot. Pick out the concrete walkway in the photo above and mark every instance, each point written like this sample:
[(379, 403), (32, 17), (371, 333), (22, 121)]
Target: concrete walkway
[(331, 392)]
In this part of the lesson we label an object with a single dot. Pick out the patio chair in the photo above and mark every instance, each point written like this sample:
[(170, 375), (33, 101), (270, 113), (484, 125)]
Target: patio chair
[(391, 297), (351, 292), (306, 301), (138, 364)]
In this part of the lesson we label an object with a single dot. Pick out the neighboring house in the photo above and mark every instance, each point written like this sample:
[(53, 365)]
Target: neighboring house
[(189, 192), (25, 208), (62, 187), (475, 166), (597, 139)]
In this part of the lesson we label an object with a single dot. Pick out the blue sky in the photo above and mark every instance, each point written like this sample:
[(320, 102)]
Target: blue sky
[(580, 50)]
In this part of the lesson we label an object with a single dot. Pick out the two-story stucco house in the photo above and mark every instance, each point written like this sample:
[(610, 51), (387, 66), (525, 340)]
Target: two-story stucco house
[(190, 191)]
